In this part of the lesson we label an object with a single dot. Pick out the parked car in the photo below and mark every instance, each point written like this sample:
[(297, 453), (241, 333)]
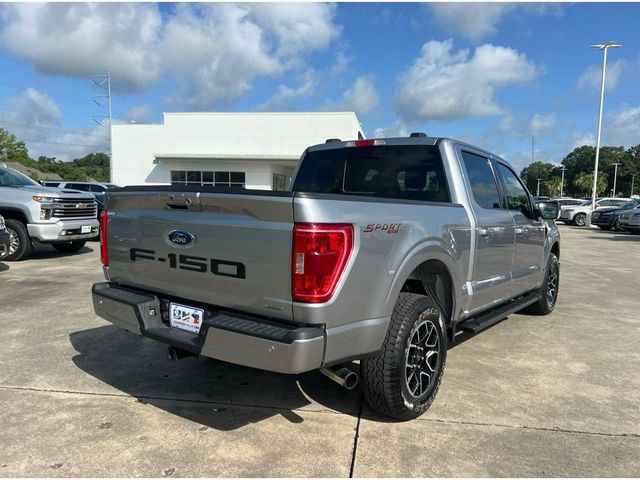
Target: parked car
[(382, 251), (568, 201), (66, 219), (97, 189), (577, 214), (608, 218), (5, 241), (630, 220)]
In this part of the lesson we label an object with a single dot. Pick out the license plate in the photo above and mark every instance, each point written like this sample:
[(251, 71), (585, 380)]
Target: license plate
[(185, 318), (85, 229)]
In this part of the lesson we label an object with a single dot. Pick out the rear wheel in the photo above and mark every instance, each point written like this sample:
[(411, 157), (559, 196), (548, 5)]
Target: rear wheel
[(19, 242), (68, 247), (403, 379), (548, 291), (580, 219)]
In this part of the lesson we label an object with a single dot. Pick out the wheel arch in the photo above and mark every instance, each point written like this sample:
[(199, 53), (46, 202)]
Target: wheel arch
[(14, 214), (433, 273)]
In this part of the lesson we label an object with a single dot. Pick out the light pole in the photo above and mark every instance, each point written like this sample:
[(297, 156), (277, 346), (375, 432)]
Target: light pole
[(615, 177), (562, 182), (604, 48), (538, 189)]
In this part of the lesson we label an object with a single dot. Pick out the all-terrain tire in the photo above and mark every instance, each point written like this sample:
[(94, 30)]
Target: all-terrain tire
[(19, 240), (548, 291), (68, 247), (389, 379)]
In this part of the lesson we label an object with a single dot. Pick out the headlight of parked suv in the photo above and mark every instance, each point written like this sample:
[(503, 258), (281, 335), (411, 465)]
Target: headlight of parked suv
[(2, 227)]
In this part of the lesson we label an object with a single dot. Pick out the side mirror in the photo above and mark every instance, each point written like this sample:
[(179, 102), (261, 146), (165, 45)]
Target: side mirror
[(548, 210)]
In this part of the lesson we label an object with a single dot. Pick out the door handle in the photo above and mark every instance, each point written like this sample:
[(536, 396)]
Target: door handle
[(519, 231), (485, 232)]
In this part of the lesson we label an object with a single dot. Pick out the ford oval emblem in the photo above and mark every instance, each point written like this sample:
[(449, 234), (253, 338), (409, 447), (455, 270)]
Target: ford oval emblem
[(181, 238)]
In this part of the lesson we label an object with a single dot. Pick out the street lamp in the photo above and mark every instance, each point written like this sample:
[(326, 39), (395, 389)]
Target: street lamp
[(603, 47), (562, 182), (615, 178), (538, 189)]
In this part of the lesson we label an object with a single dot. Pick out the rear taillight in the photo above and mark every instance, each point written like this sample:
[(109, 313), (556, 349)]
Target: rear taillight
[(320, 253), (104, 257)]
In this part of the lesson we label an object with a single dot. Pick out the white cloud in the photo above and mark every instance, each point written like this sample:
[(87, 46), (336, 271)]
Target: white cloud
[(472, 20), (139, 113), (442, 84), (396, 129), (582, 138), (590, 80), (541, 125), (35, 118), (229, 44), (286, 96), (362, 96), (86, 39), (213, 50), (622, 127)]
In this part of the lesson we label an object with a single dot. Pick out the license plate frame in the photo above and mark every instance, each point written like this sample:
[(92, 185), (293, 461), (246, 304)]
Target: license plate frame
[(85, 229), (185, 318)]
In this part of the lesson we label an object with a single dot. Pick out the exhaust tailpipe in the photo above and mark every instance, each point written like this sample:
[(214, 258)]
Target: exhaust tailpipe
[(176, 353), (342, 376)]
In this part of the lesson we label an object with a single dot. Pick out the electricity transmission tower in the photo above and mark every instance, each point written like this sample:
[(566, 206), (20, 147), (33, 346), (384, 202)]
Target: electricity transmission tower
[(104, 101)]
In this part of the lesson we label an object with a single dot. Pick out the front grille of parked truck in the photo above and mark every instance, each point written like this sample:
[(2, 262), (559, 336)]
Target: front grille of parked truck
[(69, 208)]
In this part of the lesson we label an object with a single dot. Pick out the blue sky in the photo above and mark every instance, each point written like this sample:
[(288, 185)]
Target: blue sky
[(490, 74)]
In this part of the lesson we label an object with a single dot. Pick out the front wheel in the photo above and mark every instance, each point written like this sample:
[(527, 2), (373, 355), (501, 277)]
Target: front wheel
[(19, 242), (548, 291), (580, 219), (403, 379), (68, 247)]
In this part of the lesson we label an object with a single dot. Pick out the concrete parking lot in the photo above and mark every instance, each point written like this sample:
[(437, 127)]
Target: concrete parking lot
[(531, 396)]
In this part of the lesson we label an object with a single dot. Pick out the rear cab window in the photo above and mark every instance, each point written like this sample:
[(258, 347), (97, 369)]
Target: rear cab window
[(409, 172)]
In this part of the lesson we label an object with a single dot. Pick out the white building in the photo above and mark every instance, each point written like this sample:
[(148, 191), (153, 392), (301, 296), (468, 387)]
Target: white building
[(255, 150)]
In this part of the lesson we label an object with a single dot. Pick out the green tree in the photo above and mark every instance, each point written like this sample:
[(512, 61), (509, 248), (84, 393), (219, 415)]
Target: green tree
[(552, 186), (12, 149), (34, 176), (584, 183), (538, 170), (582, 160)]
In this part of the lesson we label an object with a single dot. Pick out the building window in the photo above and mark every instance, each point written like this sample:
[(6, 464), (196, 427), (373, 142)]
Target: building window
[(279, 182), (218, 179)]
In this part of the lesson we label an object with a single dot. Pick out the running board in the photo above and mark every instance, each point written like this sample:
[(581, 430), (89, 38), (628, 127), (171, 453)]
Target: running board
[(486, 319)]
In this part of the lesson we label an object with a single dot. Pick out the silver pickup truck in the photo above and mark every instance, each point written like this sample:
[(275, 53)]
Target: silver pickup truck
[(65, 219), (382, 251)]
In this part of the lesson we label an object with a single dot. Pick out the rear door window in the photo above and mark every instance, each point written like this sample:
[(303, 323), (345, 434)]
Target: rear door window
[(483, 184), (516, 195), (411, 172)]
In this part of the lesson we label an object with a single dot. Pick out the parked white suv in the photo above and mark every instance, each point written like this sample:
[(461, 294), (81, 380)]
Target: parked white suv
[(577, 214)]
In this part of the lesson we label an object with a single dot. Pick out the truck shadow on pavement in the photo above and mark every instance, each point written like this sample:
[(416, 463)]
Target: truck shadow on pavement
[(43, 252), (4, 267), (214, 394)]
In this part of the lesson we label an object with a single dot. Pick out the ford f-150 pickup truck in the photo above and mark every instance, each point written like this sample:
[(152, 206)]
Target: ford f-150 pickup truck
[(381, 251), (65, 219)]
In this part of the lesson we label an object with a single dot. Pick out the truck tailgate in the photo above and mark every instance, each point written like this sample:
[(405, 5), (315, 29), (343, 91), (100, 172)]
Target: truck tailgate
[(229, 249)]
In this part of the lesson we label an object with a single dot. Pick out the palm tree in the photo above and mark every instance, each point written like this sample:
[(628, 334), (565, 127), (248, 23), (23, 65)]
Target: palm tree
[(553, 186), (584, 181)]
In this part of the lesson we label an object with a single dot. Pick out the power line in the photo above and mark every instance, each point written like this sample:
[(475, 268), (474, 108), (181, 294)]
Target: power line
[(61, 97), (36, 116), (51, 127), (63, 143)]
